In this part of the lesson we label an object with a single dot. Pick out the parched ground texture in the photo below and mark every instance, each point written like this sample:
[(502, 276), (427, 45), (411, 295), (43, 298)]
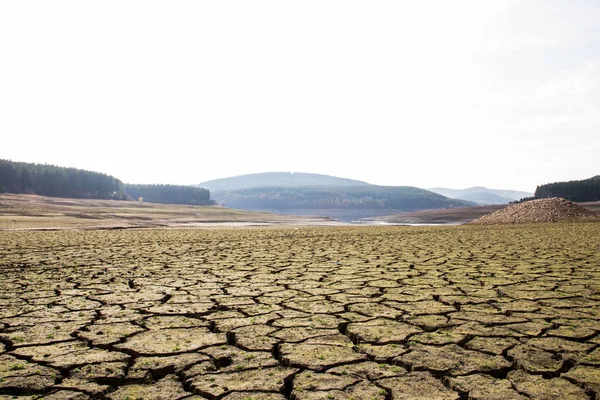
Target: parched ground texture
[(471, 312)]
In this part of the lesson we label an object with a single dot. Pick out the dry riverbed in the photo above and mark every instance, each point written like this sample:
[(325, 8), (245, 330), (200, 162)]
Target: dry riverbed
[(302, 313)]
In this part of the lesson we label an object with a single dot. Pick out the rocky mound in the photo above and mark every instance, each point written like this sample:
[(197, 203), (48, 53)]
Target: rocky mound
[(543, 210)]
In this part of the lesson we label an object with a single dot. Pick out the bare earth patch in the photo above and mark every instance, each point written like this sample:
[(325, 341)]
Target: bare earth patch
[(375, 313)]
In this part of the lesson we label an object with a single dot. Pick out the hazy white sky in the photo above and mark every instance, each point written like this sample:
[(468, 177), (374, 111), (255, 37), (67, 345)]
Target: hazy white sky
[(504, 94)]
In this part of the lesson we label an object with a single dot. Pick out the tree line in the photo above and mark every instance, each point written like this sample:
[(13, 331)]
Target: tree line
[(582, 190), (54, 181), (337, 197), (169, 194), (579, 190)]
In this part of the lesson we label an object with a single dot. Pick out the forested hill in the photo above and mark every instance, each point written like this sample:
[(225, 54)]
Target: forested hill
[(582, 190), (360, 197), (278, 179), (53, 181)]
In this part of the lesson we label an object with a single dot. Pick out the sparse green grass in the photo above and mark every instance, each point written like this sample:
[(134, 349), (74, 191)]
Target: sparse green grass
[(16, 367)]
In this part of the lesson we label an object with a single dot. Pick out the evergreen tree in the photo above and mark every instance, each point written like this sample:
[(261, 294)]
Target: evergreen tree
[(50, 180), (169, 194)]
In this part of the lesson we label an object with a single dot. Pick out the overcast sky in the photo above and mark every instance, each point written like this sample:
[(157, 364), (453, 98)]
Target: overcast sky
[(504, 94)]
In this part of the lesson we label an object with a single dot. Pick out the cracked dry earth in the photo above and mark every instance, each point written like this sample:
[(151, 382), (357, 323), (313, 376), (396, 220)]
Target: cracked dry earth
[(311, 313)]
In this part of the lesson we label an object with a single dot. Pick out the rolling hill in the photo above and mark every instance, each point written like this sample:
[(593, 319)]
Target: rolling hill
[(314, 194), (481, 195)]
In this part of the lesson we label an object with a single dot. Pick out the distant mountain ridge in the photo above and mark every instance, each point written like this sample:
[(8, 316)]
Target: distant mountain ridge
[(481, 195), (278, 179)]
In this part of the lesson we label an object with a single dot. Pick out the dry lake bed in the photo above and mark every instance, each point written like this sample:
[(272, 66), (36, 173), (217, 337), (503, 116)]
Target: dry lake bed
[(462, 312)]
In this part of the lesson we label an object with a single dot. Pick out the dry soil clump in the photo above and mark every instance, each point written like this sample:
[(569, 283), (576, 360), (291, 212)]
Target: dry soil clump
[(542, 210)]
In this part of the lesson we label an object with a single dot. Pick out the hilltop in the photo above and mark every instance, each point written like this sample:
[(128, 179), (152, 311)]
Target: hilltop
[(482, 195), (278, 179)]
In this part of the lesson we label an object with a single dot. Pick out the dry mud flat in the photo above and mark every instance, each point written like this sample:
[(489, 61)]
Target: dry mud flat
[(470, 312), (32, 212)]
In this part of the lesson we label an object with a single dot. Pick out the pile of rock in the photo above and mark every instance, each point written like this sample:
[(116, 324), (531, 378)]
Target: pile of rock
[(543, 210)]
